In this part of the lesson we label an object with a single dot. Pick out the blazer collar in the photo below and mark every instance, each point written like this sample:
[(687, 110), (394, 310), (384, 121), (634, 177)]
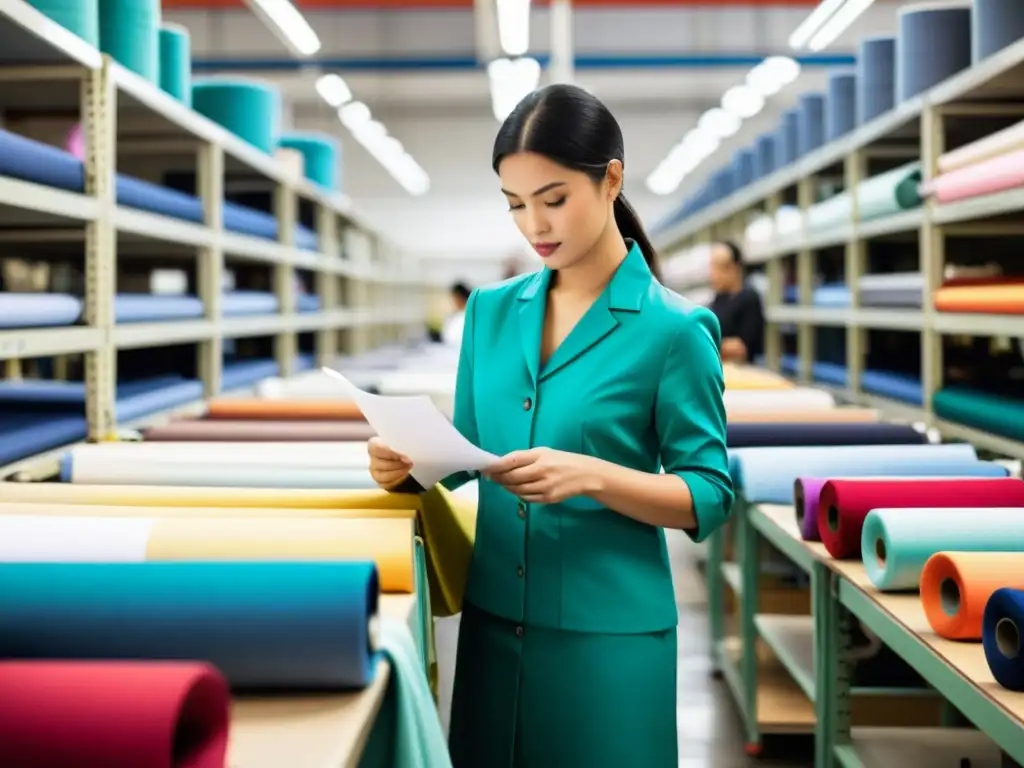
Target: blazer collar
[(624, 293)]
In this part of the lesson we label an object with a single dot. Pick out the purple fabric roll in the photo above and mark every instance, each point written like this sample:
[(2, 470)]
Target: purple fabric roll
[(805, 498)]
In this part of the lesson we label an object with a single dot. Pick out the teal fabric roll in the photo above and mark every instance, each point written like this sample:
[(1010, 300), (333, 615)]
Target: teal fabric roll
[(890, 192), (835, 211), (320, 154), (896, 543), (997, 414), (176, 62), (248, 108), (82, 17), (130, 34), (265, 625)]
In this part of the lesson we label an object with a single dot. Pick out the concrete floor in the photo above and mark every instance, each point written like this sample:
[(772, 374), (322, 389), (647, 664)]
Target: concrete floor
[(710, 734)]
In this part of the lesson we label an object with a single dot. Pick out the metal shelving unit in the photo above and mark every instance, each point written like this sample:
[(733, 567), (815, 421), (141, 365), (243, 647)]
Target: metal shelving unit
[(919, 127), (854, 726), (369, 294)]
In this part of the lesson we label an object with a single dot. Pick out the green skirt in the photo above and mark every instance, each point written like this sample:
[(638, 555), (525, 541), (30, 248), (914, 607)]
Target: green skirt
[(549, 698)]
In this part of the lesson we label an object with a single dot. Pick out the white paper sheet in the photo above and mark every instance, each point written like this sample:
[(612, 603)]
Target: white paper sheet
[(413, 426)]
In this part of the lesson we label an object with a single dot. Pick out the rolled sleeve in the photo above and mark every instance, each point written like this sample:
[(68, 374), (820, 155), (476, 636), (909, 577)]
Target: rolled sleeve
[(464, 414), (690, 421)]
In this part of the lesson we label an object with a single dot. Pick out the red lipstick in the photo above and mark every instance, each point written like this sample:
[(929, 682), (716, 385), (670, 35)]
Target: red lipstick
[(545, 249)]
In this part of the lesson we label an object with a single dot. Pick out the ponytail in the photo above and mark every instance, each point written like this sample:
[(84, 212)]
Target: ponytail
[(630, 227)]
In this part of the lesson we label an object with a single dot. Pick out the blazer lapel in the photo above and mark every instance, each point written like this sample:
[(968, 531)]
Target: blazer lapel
[(597, 323), (533, 299)]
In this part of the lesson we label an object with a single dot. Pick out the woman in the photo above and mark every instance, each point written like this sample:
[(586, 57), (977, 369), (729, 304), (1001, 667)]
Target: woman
[(585, 377)]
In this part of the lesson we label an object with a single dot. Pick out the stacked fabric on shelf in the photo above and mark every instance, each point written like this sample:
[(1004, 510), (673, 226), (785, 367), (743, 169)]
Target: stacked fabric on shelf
[(266, 567)]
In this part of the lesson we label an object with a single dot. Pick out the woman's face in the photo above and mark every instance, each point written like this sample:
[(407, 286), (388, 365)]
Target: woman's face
[(561, 212)]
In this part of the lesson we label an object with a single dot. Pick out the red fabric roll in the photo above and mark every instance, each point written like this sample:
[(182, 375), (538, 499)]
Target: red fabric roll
[(843, 504), (121, 714)]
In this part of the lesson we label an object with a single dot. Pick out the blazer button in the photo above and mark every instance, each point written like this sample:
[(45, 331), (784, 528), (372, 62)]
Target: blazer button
[(527, 404), (520, 571), (519, 631), (522, 510)]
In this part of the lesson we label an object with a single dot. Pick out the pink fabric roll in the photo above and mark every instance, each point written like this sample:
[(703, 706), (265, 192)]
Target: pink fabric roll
[(985, 178)]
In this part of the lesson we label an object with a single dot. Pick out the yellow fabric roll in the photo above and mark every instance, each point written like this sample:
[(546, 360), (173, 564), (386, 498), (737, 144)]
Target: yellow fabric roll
[(119, 510), (387, 542), (748, 377), (447, 523)]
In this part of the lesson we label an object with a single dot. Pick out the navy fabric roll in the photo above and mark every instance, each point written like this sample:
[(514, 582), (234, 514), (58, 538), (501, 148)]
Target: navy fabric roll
[(764, 162), (265, 625), (755, 435), (841, 109), (876, 78), (743, 167), (995, 24), (787, 148), (934, 43), (1002, 630), (812, 122)]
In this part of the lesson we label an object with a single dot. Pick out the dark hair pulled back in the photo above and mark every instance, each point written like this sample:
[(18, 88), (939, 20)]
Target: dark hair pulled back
[(575, 129)]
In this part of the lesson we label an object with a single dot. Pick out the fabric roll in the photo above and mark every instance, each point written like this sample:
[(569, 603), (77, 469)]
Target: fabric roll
[(841, 105), (1002, 629), (798, 398), (934, 43), (995, 24), (817, 416), (876, 78), (284, 410), (794, 434), (897, 543), (265, 625), (812, 122), (114, 714), (844, 504), (956, 587), (200, 430), (805, 501)]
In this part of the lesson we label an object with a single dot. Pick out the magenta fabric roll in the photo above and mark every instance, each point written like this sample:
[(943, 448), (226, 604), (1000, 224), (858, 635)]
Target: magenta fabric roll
[(805, 498)]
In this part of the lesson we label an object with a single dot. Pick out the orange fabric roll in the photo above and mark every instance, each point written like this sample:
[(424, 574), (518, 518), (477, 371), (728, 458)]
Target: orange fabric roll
[(284, 410), (955, 586), (825, 416), (1002, 299)]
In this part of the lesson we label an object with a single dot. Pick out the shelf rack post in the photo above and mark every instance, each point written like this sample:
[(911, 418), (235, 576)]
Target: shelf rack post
[(835, 665), (748, 555), (932, 258), (99, 119), (805, 285), (327, 284), (285, 342), (855, 170), (773, 270), (210, 185)]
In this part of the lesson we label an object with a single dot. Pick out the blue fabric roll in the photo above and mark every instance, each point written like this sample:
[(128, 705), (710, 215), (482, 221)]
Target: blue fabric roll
[(934, 43), (743, 167), (811, 122), (764, 159), (766, 475), (265, 625), (876, 78), (841, 111), (788, 146), (995, 24), (1002, 628)]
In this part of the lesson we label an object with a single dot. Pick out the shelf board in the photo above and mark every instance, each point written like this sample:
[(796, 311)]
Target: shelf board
[(781, 706), (732, 574), (791, 639), (43, 342), (53, 206), (936, 747), (998, 77), (138, 335), (29, 38)]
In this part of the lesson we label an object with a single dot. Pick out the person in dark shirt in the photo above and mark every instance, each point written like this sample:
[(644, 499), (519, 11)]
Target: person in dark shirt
[(737, 306)]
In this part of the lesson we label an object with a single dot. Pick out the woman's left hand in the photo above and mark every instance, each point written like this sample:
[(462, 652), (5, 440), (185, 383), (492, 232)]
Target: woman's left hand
[(544, 475)]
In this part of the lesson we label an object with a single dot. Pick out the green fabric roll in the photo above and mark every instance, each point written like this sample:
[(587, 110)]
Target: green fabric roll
[(997, 414), (890, 192), (833, 212)]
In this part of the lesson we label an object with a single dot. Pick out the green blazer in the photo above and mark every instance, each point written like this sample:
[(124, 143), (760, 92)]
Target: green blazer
[(638, 382)]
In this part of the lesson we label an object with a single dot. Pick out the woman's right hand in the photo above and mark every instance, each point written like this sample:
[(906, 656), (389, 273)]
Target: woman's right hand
[(388, 468)]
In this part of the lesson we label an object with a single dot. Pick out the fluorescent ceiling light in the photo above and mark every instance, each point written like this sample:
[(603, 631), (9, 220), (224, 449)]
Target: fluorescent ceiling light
[(719, 123), (333, 90), (772, 75), (511, 81), (743, 102), (802, 34), (386, 149), (288, 24), (838, 24), (514, 26)]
